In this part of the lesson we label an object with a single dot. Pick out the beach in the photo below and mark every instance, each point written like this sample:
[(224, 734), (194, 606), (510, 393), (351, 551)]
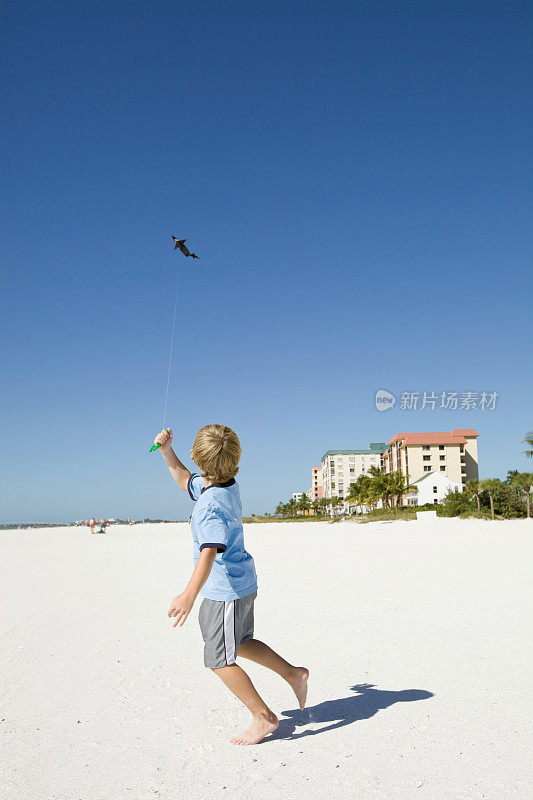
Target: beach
[(416, 635)]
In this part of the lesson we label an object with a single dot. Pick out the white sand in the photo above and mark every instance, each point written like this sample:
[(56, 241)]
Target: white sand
[(416, 636)]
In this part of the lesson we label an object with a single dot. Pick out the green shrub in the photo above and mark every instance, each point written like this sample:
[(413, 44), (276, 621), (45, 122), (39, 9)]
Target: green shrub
[(456, 503), (508, 503)]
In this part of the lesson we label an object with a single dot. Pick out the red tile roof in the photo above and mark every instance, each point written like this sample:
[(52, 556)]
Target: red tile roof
[(439, 437)]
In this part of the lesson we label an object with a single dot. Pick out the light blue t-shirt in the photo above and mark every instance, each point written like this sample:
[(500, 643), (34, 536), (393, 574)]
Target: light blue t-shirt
[(217, 520)]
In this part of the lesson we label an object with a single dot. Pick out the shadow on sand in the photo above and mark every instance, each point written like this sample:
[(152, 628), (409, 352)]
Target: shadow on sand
[(344, 711)]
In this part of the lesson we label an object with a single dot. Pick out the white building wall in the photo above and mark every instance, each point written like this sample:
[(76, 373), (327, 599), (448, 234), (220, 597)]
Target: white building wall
[(340, 470), (432, 488)]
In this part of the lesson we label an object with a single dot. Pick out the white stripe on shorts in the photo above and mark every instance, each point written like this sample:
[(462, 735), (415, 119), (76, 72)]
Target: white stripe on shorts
[(229, 631)]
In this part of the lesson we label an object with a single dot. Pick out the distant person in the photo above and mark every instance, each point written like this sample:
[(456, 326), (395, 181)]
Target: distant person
[(92, 523), (224, 575), (103, 526)]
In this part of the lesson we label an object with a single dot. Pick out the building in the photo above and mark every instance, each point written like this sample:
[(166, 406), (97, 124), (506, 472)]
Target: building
[(432, 487), (340, 468), (417, 454), (297, 495), (316, 484)]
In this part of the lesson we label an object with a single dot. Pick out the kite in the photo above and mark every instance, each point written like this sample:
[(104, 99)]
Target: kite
[(180, 243)]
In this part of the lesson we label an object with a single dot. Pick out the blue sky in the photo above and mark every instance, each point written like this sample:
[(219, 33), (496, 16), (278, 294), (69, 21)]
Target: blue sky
[(357, 181)]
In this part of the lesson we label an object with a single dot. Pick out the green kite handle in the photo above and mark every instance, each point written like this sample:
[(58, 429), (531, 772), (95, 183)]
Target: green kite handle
[(157, 446)]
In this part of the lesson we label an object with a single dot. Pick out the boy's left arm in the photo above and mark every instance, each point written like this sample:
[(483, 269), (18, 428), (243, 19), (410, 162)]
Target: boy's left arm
[(181, 606)]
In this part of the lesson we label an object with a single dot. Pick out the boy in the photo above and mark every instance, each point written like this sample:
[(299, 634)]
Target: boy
[(224, 575)]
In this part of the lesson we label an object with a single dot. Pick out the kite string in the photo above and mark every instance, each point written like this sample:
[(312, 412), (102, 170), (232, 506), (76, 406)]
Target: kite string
[(171, 346)]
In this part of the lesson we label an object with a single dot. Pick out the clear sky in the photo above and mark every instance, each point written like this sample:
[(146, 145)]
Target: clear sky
[(356, 178)]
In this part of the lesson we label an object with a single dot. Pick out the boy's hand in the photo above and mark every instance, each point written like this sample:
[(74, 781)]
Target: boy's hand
[(181, 607), (164, 439)]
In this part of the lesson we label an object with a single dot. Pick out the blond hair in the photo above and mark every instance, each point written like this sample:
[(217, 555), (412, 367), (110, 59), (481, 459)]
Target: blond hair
[(217, 450)]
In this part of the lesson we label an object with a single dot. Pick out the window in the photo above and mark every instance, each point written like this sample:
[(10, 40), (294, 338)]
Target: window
[(442, 458), (426, 458), (435, 502), (425, 447), (352, 458), (352, 470), (427, 469), (441, 447), (442, 468), (434, 490)]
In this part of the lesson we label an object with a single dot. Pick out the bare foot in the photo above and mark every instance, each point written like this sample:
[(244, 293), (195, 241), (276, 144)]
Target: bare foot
[(260, 727), (299, 684)]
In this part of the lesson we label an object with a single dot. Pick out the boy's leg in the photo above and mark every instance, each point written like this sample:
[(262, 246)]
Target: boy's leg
[(264, 720), (262, 654)]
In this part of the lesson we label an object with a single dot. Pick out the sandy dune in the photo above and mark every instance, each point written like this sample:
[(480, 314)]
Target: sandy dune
[(416, 635)]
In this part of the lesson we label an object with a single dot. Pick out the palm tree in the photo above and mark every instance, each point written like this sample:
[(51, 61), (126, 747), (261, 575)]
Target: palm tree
[(351, 497), (524, 483), (280, 509), (304, 504), (367, 493), (385, 485), (473, 489), (491, 485), (290, 507), (333, 502), (318, 505), (354, 492), (397, 485), (529, 440), (380, 485)]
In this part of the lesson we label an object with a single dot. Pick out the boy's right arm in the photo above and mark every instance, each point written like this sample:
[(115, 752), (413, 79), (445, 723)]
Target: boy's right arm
[(179, 472)]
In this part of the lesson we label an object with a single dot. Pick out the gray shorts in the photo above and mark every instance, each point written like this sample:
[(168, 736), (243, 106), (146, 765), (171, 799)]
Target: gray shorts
[(225, 625)]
